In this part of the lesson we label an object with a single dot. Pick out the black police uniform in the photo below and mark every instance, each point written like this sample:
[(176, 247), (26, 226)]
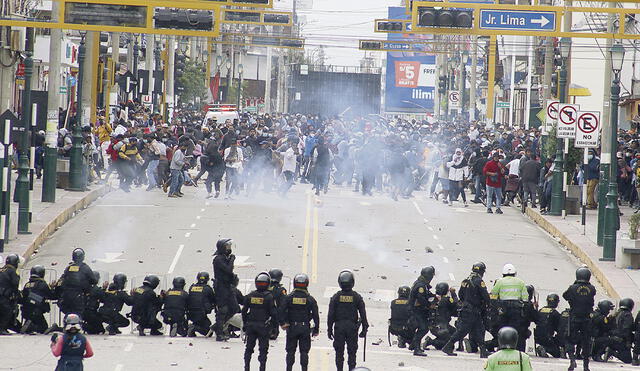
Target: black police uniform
[(602, 326), (146, 305), (9, 281), (91, 318), (399, 321), (226, 300), (622, 335), (174, 310), (636, 341), (346, 312), (447, 308), (547, 330), (200, 303), (580, 297), (529, 316), (474, 301), (422, 302), (258, 311), (76, 281), (297, 310), (279, 293), (114, 300), (35, 294), (563, 332)]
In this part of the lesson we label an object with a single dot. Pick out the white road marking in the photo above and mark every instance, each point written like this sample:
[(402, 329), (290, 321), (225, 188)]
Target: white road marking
[(119, 367), (380, 295), (193, 225), (198, 217), (175, 259), (435, 237), (115, 205), (444, 258), (425, 220), (452, 277), (462, 210), (417, 208), (440, 247), (128, 347), (430, 228), (187, 235), (201, 210), (241, 261), (363, 203), (111, 257), (207, 203)]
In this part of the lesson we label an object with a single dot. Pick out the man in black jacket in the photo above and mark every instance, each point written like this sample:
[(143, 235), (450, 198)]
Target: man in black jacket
[(224, 278)]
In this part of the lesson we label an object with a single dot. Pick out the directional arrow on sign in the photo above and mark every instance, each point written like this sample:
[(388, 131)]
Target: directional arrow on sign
[(543, 21), (111, 257)]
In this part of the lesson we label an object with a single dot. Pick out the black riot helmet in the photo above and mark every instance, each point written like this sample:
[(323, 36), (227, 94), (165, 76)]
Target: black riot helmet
[(508, 338), (427, 273), (120, 280), (262, 281), (179, 283), (605, 306), (479, 268), (553, 300), (442, 288), (224, 246), (404, 291), (37, 271), (96, 275), (626, 303), (203, 277), (301, 281), (77, 255), (346, 280), (531, 290), (13, 260), (152, 281), (583, 274), (276, 275)]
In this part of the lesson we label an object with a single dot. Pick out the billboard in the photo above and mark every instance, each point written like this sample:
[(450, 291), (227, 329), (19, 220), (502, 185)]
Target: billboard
[(411, 77)]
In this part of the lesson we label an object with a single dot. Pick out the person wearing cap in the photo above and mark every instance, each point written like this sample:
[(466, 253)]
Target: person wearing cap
[(72, 346), (508, 358)]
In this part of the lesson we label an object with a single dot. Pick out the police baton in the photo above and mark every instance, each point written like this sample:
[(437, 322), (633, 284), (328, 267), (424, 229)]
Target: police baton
[(364, 349)]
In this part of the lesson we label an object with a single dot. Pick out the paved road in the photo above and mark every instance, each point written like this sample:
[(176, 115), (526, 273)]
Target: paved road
[(384, 242)]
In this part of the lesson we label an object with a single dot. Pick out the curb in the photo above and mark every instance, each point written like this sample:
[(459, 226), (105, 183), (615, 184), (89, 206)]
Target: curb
[(575, 250), (62, 218)]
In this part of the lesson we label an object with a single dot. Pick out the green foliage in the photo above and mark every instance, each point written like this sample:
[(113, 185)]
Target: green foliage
[(194, 81), (634, 223), (573, 159)]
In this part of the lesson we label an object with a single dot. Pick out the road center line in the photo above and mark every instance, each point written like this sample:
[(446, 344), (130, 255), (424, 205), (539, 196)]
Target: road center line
[(444, 258), (425, 220), (417, 208), (440, 247), (435, 237), (198, 217), (175, 259), (307, 232), (201, 210), (430, 228), (314, 253), (187, 235), (119, 367), (452, 277), (193, 225), (128, 347)]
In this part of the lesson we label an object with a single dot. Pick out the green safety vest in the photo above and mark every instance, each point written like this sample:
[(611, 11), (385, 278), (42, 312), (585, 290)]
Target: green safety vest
[(508, 360), (509, 288)]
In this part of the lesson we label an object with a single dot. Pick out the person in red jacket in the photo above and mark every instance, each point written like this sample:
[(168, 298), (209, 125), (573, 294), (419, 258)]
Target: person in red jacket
[(494, 172)]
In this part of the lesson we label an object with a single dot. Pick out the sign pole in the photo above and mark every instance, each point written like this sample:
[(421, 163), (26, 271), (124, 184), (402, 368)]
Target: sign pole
[(492, 78)]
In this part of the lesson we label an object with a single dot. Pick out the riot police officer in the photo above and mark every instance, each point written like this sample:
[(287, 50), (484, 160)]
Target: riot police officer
[(580, 297), (346, 312), (146, 305), (297, 311), (474, 300), (447, 307), (115, 297), (509, 358), (92, 319), (509, 294), (75, 283), (602, 326), (529, 315), (400, 314), (422, 303), (279, 292), (547, 328), (9, 281), (623, 332), (225, 295), (174, 312), (200, 303), (35, 294), (257, 311)]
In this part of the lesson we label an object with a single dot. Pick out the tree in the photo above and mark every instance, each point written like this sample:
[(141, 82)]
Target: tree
[(194, 81)]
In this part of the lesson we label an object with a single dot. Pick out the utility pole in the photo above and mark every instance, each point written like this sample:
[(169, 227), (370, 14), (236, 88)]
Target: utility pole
[(87, 78), (148, 54), (22, 182), (53, 102), (267, 84), (436, 90), (76, 182), (474, 77), (279, 86), (136, 57), (7, 73), (115, 56), (171, 57)]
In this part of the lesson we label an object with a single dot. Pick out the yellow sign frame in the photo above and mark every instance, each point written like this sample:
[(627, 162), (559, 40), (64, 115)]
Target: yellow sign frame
[(262, 14)]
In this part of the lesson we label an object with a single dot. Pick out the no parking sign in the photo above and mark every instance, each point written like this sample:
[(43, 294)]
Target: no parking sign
[(567, 118), (588, 129)]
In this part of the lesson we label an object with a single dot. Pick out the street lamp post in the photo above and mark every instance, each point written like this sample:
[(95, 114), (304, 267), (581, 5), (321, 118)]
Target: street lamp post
[(240, 70), (22, 183), (75, 158), (463, 82), (136, 55), (156, 57), (226, 89), (218, 71), (557, 194), (611, 213)]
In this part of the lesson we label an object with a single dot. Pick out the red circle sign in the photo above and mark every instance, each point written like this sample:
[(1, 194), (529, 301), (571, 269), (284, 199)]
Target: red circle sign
[(568, 115), (588, 122), (454, 96), (552, 110)]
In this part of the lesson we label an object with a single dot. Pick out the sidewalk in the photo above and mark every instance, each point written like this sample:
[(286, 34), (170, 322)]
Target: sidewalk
[(47, 217), (618, 283)]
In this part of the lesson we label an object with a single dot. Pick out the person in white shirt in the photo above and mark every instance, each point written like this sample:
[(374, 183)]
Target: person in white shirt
[(233, 161), (513, 181), (288, 168)]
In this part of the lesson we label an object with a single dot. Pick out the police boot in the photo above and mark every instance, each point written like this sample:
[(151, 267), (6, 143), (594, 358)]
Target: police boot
[(448, 348), (174, 330), (572, 362), (427, 342), (25, 328), (541, 352), (483, 352), (464, 344), (111, 330), (585, 364), (140, 330), (191, 331), (636, 359), (419, 352)]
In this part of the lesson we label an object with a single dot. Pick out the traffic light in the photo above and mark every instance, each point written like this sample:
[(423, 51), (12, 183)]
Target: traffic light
[(447, 18), (370, 45), (178, 72), (555, 87), (242, 16), (275, 18), (557, 57), (183, 19), (105, 14), (442, 85), (386, 26)]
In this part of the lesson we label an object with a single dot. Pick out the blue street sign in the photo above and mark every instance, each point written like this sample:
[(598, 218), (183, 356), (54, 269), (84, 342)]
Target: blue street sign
[(522, 20), (396, 45)]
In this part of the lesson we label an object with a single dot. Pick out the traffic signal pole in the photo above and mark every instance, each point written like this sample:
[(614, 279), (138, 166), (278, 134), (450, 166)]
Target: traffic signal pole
[(491, 79), (474, 78), (171, 57), (22, 182)]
